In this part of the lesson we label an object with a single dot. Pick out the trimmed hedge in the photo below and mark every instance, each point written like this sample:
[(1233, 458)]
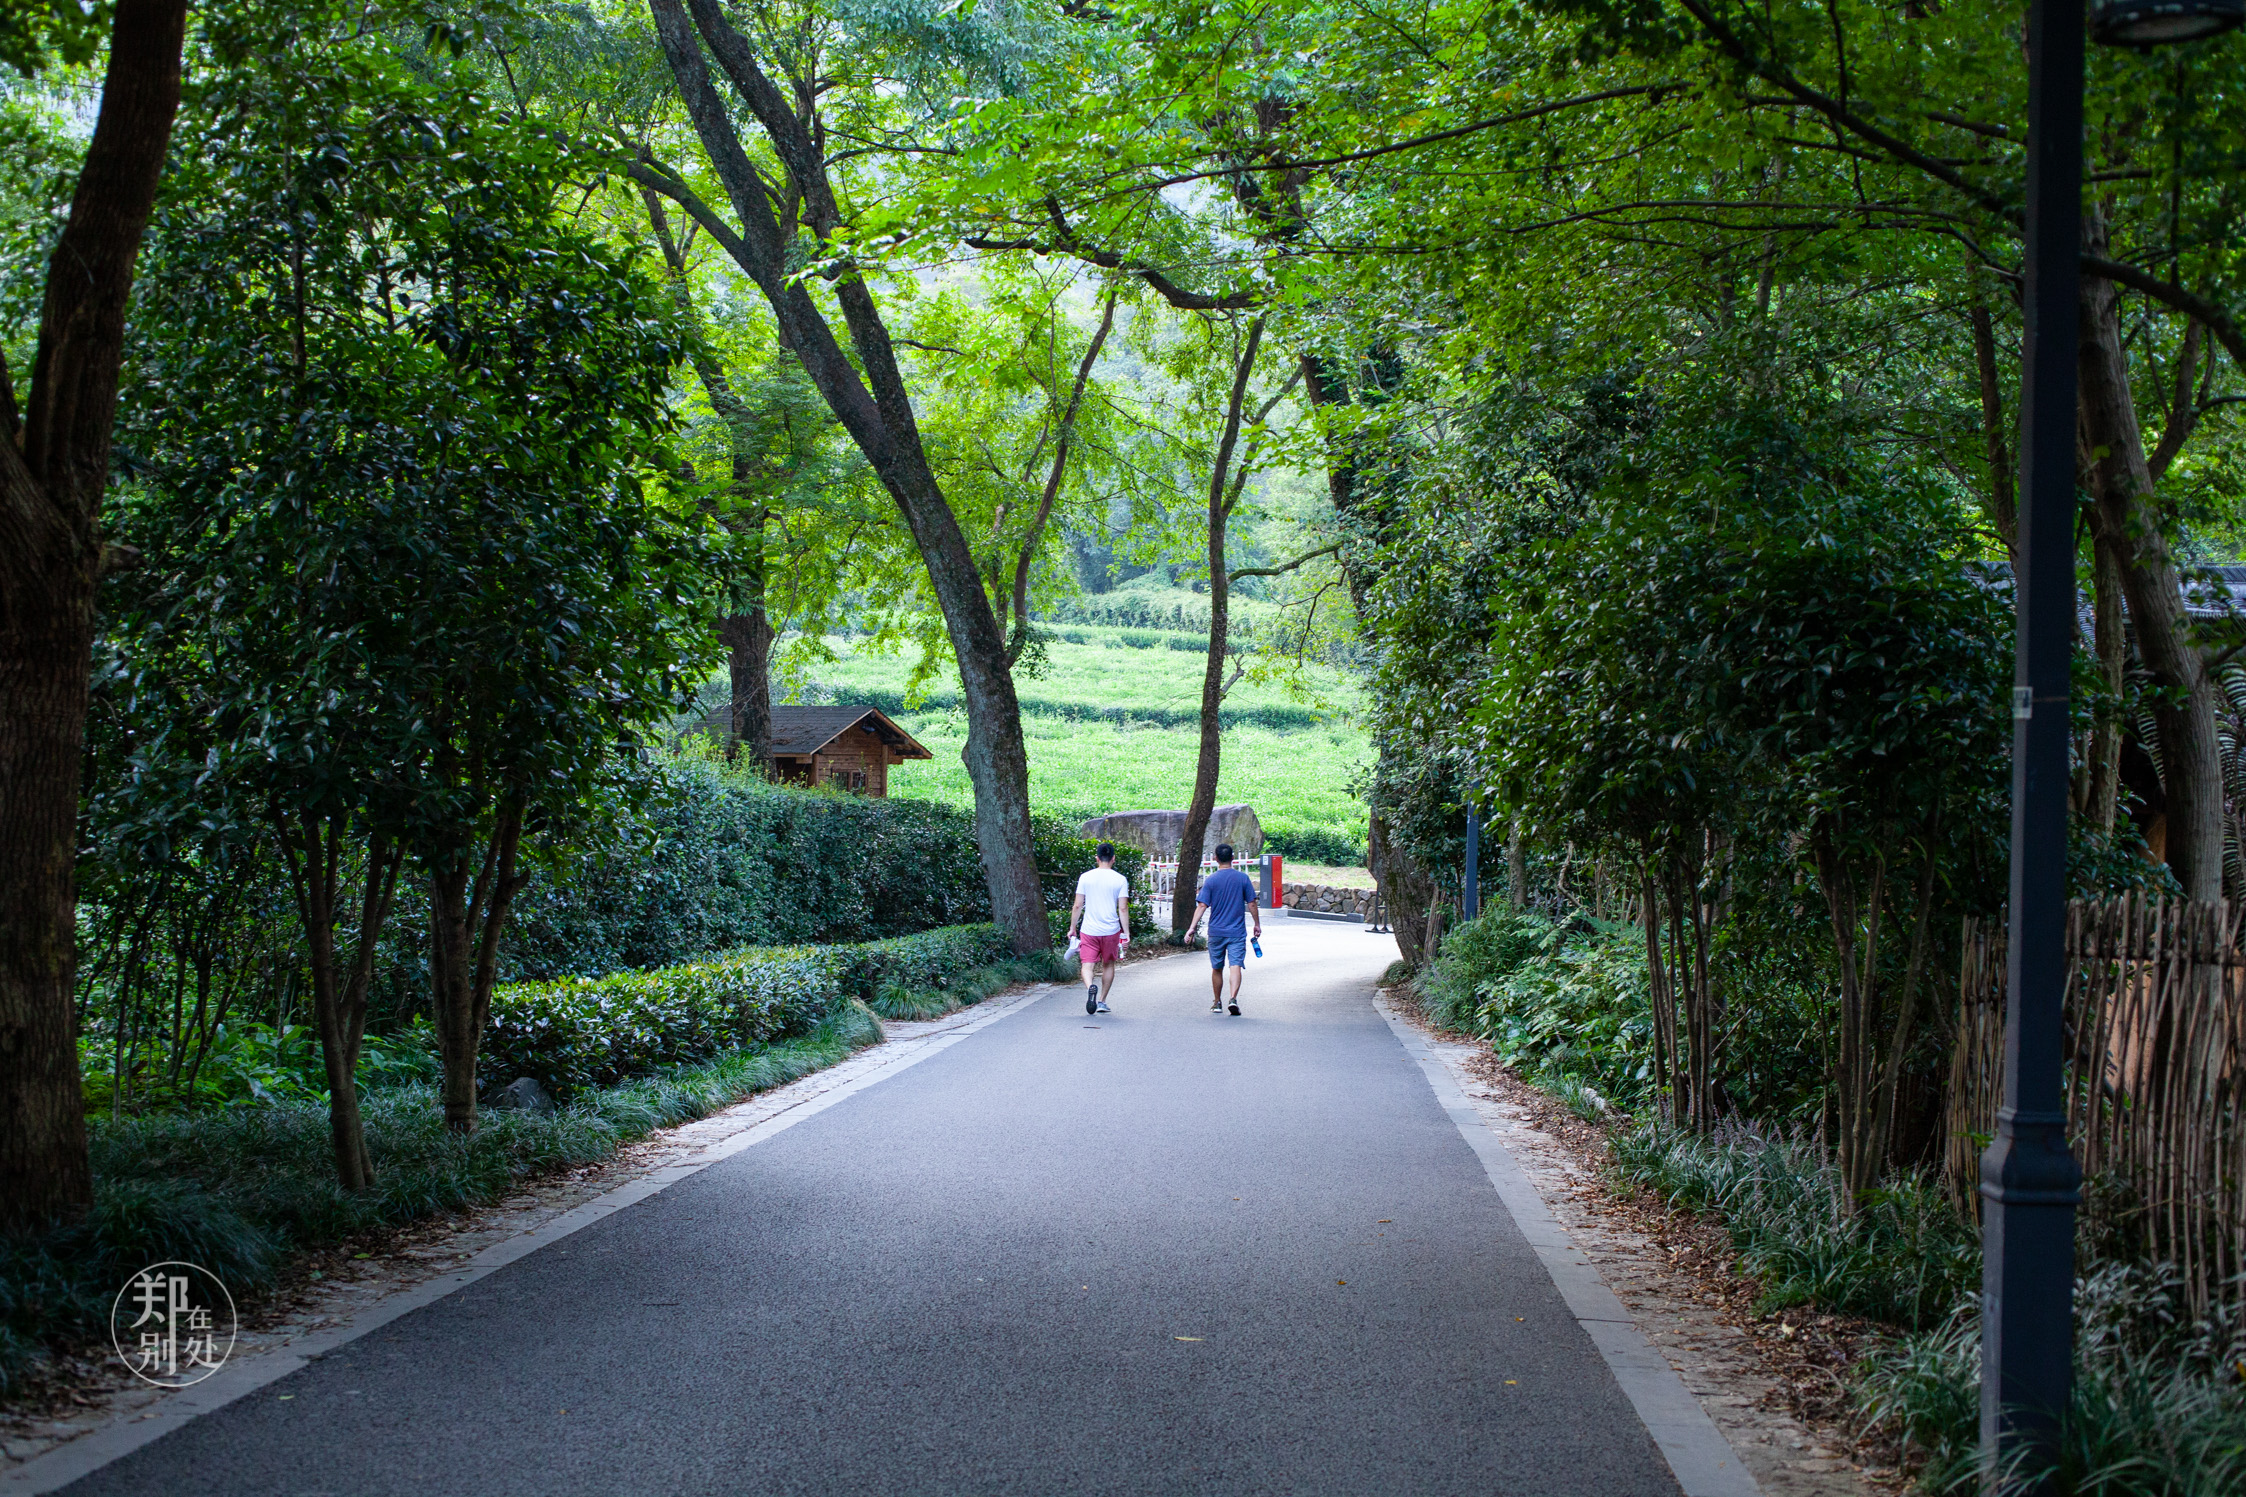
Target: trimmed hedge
[(720, 861), (582, 1032), (1273, 715)]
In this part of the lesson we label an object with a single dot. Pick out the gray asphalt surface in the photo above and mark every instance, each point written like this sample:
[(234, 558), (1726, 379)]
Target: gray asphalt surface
[(979, 1276)]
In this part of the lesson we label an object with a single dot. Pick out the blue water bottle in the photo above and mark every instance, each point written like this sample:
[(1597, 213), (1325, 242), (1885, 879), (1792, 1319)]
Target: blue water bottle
[(1256, 943)]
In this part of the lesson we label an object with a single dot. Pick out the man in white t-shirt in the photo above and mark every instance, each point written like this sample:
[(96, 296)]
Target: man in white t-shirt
[(1103, 909)]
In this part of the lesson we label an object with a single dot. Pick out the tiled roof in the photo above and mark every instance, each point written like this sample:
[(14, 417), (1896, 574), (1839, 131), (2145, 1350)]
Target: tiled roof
[(798, 731)]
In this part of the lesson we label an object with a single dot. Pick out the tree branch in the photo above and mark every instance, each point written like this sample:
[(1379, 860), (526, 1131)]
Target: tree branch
[(1066, 243), (1653, 90), (1053, 479), (2218, 322), (1736, 47), (2182, 414), (1306, 556)]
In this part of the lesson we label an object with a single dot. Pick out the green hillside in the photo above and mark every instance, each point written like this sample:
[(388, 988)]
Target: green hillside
[(1112, 725)]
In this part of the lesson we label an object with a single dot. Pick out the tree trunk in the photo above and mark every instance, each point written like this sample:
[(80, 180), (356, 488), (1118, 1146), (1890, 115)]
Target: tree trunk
[(1517, 867), (748, 636), (465, 923), (2129, 520), (1856, 920), (1658, 995), (1404, 887), (876, 409), (2001, 497), (1204, 801), (53, 470), (2110, 639), (316, 848)]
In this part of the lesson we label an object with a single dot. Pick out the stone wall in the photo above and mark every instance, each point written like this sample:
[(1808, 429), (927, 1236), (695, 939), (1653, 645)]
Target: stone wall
[(1325, 899)]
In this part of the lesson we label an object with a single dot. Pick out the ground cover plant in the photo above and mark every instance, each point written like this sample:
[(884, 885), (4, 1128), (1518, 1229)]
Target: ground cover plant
[(2160, 1401)]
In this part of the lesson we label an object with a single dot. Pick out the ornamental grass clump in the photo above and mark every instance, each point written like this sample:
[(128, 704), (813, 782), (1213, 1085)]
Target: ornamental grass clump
[(2159, 1406), (1898, 1254)]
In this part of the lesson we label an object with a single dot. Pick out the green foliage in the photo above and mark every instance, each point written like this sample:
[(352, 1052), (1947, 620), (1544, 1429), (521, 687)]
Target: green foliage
[(1321, 845), (1565, 1004), (1902, 1255), (399, 432), (899, 999), (37, 33), (2159, 1404), (248, 1063), (577, 1033), (237, 1189)]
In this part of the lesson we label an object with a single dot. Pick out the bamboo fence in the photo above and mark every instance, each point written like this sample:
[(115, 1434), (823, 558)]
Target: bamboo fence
[(2156, 1074)]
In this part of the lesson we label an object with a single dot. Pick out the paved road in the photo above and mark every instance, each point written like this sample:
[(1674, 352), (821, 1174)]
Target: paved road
[(1156, 1252)]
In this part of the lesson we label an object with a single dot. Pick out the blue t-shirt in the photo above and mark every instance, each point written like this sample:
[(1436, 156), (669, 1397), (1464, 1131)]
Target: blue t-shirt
[(1227, 892)]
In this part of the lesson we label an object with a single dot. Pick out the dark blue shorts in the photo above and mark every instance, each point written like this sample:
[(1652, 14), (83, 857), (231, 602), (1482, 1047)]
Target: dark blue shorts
[(1229, 950)]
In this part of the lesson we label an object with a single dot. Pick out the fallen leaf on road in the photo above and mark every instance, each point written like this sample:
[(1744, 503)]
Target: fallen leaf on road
[(1185, 1338), (1341, 1281)]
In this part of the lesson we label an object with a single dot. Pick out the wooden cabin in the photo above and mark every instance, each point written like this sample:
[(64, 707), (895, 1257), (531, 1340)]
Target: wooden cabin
[(849, 748)]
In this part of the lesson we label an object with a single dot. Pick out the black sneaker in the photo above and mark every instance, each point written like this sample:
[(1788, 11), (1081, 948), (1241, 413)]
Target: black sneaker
[(1092, 999), (1233, 1008)]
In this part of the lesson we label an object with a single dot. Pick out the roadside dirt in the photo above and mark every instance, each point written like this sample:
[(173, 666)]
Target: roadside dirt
[(1775, 1384)]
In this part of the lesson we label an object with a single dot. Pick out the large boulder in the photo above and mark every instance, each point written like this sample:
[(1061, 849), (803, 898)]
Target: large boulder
[(523, 1092), (1157, 833)]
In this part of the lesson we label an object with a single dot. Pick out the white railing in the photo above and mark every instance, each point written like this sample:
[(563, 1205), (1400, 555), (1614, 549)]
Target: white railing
[(1162, 876)]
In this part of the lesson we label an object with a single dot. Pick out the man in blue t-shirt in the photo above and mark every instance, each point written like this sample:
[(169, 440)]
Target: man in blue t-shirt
[(1226, 899)]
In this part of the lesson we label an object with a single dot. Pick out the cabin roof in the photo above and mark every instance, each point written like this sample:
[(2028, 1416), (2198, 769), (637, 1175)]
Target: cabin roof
[(801, 731)]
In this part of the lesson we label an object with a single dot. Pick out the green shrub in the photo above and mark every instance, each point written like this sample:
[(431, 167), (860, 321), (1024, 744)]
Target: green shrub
[(581, 1032), (721, 860), (901, 1000), (1329, 846), (1567, 1006), (237, 1189), (937, 959), (2159, 1407), (1902, 1255)]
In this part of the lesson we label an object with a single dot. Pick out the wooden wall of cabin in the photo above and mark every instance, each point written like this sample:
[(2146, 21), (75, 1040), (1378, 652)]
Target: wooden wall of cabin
[(857, 752)]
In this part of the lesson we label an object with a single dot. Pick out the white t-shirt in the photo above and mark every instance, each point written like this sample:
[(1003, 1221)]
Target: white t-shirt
[(1104, 891)]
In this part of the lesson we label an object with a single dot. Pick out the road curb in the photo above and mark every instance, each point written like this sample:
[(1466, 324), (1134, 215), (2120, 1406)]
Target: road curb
[(127, 1433), (1699, 1456)]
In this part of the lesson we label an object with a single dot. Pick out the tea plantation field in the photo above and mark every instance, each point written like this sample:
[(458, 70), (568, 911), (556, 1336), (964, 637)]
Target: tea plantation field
[(1113, 724)]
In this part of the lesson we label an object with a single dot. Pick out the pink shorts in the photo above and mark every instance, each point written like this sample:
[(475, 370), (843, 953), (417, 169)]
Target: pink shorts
[(1099, 949)]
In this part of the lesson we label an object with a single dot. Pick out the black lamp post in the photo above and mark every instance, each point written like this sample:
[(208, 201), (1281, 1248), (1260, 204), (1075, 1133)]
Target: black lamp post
[(2029, 1179), (1471, 904)]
